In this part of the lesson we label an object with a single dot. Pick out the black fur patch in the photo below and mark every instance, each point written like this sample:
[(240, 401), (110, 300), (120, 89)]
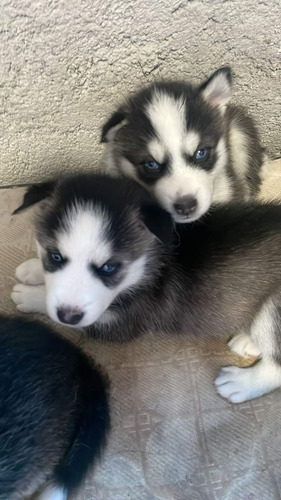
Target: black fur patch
[(54, 409)]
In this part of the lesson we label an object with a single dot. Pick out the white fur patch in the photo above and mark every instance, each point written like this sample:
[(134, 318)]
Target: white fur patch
[(29, 299), (239, 152), (191, 142), (222, 188), (241, 384), (30, 272), (167, 115), (53, 493), (85, 229), (156, 150), (263, 328), (243, 345)]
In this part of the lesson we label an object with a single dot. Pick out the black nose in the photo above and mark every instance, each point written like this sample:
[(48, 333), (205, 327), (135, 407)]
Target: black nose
[(69, 316), (185, 205)]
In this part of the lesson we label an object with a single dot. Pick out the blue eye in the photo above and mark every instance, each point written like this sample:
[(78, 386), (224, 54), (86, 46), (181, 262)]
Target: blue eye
[(56, 257), (108, 268), (201, 154), (152, 165)]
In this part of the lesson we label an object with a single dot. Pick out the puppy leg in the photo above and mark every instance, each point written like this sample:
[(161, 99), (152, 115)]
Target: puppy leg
[(30, 272), (241, 384), (243, 345), (30, 299)]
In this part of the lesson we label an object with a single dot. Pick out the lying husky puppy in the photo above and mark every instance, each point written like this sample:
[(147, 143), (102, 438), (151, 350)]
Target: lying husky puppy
[(54, 412), (108, 265), (186, 145)]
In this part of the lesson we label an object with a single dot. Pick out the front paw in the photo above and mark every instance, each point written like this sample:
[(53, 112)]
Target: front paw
[(30, 272), (235, 384), (29, 299)]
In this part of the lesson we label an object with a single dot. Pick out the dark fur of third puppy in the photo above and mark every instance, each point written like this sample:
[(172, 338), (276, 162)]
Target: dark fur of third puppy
[(54, 411), (111, 261), (186, 144)]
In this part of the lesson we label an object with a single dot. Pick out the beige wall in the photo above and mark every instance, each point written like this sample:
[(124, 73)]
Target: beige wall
[(64, 63)]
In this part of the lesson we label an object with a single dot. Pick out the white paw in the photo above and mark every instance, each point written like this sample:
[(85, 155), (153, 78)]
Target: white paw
[(236, 384), (30, 272), (29, 299), (243, 345)]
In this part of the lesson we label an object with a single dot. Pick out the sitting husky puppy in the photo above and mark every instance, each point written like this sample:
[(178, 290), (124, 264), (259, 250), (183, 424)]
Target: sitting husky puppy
[(108, 265), (54, 412), (186, 145)]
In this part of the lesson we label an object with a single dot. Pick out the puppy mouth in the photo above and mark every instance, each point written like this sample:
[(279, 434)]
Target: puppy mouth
[(183, 219)]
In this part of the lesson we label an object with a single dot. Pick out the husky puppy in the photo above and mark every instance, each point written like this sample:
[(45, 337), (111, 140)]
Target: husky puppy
[(186, 145), (54, 412), (108, 263)]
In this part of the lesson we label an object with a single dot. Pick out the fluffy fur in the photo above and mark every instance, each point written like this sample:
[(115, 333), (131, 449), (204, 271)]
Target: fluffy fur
[(220, 275), (186, 144), (54, 412)]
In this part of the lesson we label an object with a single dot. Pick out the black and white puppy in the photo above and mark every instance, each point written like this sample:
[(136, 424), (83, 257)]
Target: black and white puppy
[(107, 264), (54, 412), (186, 145)]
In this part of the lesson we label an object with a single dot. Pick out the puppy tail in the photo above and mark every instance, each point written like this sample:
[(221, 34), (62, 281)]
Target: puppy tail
[(91, 434)]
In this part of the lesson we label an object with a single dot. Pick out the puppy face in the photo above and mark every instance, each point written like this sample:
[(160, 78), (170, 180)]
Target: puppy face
[(97, 237), (170, 137)]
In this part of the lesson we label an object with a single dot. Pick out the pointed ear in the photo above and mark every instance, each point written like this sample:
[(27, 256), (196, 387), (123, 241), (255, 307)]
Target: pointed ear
[(217, 89), (115, 122), (36, 193), (158, 222)]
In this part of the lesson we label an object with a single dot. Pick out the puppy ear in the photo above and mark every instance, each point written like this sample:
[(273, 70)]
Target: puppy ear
[(158, 222), (34, 194), (115, 122), (217, 89)]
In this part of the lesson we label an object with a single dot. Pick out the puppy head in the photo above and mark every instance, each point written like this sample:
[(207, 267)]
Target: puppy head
[(170, 138), (99, 237)]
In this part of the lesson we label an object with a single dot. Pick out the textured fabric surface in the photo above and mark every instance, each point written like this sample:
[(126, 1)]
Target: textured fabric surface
[(64, 65), (173, 437)]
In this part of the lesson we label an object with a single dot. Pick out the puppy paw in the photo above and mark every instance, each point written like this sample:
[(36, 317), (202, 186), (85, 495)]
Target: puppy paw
[(30, 272), (243, 345), (29, 299), (235, 384)]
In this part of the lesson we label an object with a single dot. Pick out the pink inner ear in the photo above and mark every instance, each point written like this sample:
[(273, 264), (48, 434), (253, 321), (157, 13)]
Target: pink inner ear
[(218, 91)]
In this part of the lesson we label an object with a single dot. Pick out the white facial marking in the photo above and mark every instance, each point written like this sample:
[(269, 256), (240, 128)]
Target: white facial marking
[(167, 115), (85, 229), (75, 286), (191, 142), (157, 150)]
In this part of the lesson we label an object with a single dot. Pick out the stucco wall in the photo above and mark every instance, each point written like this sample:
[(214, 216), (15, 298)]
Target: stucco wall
[(64, 63)]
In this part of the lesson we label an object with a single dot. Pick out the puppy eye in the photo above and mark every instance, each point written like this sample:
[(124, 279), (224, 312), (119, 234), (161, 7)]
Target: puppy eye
[(56, 257), (201, 154), (108, 269), (152, 165)]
